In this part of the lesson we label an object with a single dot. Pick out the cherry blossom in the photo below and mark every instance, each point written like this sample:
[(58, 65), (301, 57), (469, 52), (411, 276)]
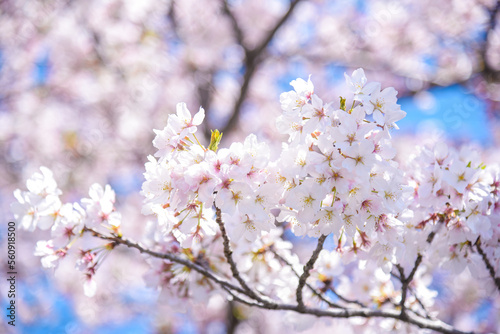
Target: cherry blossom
[(220, 216), (100, 207)]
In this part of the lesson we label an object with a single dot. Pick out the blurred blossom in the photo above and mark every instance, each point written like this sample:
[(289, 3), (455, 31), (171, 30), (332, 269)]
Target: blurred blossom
[(83, 85)]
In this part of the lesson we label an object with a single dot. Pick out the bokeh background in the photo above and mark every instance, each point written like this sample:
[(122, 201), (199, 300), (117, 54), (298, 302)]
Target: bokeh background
[(83, 83)]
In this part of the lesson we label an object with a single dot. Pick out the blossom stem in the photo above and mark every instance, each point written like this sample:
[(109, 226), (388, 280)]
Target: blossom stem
[(194, 135)]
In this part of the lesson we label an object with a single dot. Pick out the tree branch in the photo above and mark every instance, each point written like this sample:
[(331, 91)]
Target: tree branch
[(229, 257), (487, 262), (191, 265), (406, 280), (332, 289), (489, 73), (236, 27), (313, 290), (426, 313), (410, 318), (232, 321), (252, 61), (241, 300), (307, 270)]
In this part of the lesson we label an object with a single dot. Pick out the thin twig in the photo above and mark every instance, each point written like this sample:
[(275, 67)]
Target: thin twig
[(191, 265), (265, 42), (229, 257), (313, 290), (350, 301), (241, 300), (406, 280), (487, 262), (236, 27), (253, 58), (489, 72), (307, 270), (426, 313)]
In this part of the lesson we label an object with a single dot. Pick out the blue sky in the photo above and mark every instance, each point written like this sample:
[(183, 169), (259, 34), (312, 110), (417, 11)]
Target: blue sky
[(458, 113)]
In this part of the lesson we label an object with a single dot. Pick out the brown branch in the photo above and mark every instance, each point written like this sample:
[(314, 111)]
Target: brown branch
[(241, 300), (167, 256), (172, 16), (253, 58), (427, 315), (307, 270), (313, 290), (350, 301), (406, 280), (488, 72), (232, 320), (265, 42), (487, 262), (236, 27), (410, 318), (229, 257)]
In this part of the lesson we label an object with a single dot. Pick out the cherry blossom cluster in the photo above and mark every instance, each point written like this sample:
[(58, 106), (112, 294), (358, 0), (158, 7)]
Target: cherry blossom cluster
[(455, 188), (41, 208), (186, 180), (95, 126), (337, 171), (228, 209)]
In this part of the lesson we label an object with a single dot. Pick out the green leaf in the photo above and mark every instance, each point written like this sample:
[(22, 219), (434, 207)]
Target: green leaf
[(215, 140), (342, 103)]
